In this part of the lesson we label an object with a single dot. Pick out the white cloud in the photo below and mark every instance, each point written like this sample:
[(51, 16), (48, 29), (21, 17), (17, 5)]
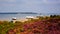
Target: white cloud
[(8, 4), (29, 5), (7, 0), (45, 1), (51, 1)]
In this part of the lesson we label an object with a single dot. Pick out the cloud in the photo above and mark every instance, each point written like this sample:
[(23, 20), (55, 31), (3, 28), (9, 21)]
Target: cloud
[(30, 5), (7, 0), (51, 1)]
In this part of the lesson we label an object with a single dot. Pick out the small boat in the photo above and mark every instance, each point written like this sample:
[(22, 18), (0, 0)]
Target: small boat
[(13, 18), (29, 17)]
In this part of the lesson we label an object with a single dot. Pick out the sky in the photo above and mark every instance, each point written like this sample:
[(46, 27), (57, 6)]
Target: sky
[(40, 6)]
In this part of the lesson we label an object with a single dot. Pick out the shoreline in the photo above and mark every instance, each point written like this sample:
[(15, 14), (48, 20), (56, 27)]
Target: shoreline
[(29, 17)]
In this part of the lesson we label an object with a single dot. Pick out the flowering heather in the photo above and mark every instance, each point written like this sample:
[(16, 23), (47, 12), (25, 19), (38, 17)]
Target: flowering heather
[(49, 25)]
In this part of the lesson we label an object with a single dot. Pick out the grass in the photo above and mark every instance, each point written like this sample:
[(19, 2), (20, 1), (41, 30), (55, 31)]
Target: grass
[(43, 25)]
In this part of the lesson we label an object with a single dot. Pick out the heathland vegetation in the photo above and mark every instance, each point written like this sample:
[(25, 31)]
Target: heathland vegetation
[(42, 25)]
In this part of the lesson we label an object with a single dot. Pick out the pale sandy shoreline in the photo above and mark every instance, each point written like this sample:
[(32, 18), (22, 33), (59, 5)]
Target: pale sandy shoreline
[(21, 20), (16, 20)]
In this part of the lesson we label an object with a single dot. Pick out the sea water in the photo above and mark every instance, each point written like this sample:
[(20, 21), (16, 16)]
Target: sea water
[(19, 16)]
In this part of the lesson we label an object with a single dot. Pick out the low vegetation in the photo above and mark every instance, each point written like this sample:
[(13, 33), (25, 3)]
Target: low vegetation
[(43, 25)]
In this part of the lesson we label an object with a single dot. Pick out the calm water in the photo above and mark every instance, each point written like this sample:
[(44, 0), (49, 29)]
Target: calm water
[(18, 16)]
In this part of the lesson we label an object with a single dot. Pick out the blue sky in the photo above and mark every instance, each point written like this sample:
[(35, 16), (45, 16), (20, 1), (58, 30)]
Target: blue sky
[(42, 6)]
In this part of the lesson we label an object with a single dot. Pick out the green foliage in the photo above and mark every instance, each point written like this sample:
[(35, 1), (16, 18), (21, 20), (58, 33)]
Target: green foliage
[(6, 25), (55, 16)]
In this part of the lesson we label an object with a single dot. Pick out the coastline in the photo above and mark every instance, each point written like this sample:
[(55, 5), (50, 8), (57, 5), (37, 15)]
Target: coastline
[(29, 17), (30, 26)]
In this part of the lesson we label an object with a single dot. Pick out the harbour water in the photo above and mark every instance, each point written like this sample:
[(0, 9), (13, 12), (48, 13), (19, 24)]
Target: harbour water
[(18, 16)]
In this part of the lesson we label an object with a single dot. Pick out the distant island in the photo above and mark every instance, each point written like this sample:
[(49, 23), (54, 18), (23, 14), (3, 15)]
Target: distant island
[(18, 13), (29, 13)]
